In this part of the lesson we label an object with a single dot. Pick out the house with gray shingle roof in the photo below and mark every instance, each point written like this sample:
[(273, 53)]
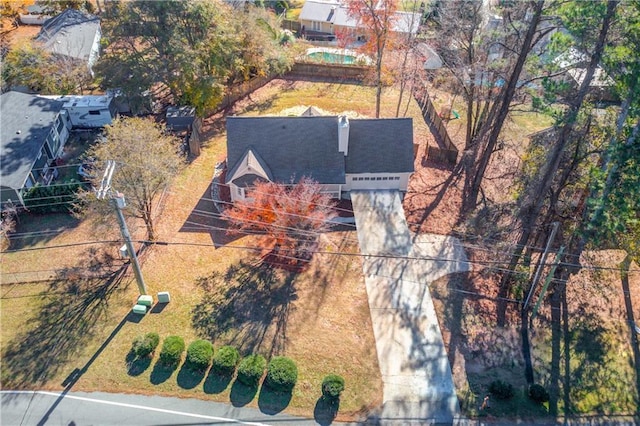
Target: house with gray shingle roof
[(72, 34), (339, 153), (33, 132)]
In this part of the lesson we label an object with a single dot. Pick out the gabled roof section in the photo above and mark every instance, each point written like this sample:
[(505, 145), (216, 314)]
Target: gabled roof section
[(70, 33), (380, 146), (25, 122), (291, 147), (311, 112), (251, 163)]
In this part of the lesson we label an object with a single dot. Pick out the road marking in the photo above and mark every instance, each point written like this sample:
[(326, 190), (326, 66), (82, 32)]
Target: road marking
[(139, 407)]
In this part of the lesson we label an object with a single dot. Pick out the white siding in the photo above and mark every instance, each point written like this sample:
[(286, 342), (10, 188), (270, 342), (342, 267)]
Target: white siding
[(372, 181)]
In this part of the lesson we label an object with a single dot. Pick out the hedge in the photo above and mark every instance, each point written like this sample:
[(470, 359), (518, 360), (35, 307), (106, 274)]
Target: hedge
[(282, 374), (226, 359), (538, 393), (501, 390), (332, 386), (251, 369), (144, 345), (172, 349), (199, 355), (58, 198)]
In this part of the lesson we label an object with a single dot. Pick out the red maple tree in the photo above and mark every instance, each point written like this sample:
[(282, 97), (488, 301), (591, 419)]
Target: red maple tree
[(291, 217)]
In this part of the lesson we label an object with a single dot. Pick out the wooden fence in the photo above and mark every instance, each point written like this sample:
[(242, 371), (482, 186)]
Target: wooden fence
[(446, 151), (330, 72), (234, 93)]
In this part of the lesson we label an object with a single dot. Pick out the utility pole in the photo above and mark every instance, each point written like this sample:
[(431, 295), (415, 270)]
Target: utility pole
[(119, 203), (541, 264)]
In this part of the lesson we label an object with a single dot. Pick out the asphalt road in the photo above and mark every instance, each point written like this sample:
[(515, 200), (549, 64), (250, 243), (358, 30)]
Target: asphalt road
[(99, 408)]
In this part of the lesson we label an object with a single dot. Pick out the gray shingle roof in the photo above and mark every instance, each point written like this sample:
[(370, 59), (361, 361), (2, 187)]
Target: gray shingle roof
[(380, 146), (292, 147), (70, 33), (308, 146), (25, 122)]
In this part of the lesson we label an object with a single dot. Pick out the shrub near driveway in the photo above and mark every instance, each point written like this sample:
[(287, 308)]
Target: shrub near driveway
[(282, 374), (143, 346), (226, 360), (332, 386), (251, 369), (172, 349), (199, 355)]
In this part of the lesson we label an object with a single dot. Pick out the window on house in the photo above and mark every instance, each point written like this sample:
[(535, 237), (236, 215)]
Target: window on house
[(385, 178), (396, 178), (316, 26), (94, 112), (379, 178), (59, 124)]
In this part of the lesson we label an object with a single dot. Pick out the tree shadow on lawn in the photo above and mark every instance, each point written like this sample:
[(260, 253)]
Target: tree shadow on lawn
[(248, 307), (202, 220), (76, 301), (216, 382), (40, 228), (242, 394), (272, 402), (188, 377), (326, 410)]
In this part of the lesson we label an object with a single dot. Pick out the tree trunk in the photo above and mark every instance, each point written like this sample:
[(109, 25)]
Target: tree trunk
[(505, 103), (531, 210)]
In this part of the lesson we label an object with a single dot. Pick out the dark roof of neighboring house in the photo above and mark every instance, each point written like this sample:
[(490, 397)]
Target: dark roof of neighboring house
[(308, 146), (70, 33), (380, 146), (25, 122), (292, 147)]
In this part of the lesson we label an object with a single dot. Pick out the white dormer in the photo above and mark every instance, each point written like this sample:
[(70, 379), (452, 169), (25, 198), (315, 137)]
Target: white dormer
[(343, 135)]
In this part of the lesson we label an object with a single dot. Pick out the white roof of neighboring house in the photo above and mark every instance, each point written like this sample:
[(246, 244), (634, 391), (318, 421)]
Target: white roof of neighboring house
[(337, 13), (575, 63), (71, 33), (405, 22)]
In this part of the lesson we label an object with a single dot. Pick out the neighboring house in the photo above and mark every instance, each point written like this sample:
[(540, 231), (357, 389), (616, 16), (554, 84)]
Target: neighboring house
[(33, 131), (72, 34), (340, 154), (326, 18), (35, 15), (576, 63)]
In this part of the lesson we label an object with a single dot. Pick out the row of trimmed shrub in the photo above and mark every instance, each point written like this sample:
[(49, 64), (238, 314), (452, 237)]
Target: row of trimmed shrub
[(282, 372), (503, 390)]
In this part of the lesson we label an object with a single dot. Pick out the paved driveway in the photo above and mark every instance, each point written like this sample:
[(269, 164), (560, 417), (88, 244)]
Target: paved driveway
[(418, 385)]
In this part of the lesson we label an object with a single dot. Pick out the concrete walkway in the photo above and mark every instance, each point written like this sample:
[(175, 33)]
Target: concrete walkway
[(418, 385)]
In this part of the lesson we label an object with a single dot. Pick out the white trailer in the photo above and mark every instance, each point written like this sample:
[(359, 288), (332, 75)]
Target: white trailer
[(90, 111)]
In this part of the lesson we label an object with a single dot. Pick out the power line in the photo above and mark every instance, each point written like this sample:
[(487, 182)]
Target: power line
[(85, 243)]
